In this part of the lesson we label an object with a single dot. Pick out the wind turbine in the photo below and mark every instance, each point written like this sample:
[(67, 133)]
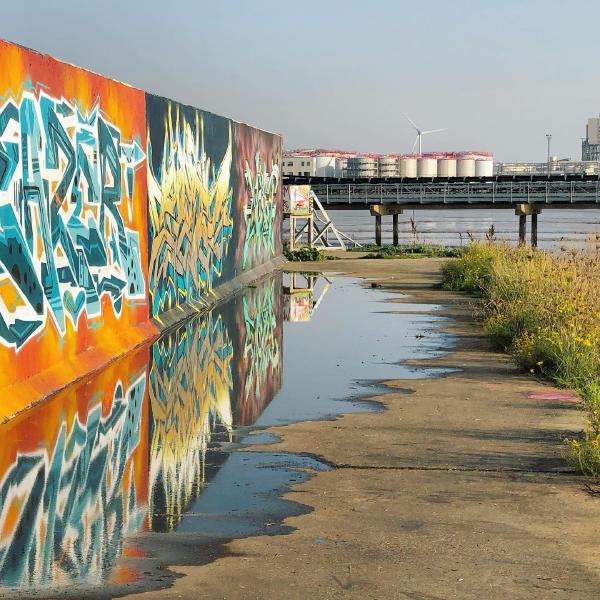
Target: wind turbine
[(421, 133)]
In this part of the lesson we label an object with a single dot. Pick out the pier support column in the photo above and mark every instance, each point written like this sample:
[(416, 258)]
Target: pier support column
[(523, 211), (534, 230), (378, 230), (380, 210), (311, 234), (522, 230)]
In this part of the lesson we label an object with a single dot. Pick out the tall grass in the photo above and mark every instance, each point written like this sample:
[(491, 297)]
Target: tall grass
[(545, 310)]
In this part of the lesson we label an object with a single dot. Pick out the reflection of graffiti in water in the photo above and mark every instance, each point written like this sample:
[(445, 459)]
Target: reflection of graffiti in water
[(190, 213), (63, 514), (262, 346), (190, 393), (64, 179), (261, 212)]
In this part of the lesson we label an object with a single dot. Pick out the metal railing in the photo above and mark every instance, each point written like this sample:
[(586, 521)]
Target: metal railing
[(499, 191)]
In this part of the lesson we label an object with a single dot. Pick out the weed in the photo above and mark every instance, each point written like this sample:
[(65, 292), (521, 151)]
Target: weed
[(304, 254), (545, 310)]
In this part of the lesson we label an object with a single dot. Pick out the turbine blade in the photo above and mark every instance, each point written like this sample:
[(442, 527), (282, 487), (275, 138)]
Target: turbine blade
[(434, 130), (411, 121), (414, 145)]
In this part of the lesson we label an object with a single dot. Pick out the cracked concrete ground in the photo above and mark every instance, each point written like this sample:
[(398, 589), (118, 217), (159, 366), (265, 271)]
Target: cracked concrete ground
[(457, 490)]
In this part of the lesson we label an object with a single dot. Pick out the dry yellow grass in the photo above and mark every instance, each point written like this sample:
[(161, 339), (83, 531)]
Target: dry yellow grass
[(545, 310)]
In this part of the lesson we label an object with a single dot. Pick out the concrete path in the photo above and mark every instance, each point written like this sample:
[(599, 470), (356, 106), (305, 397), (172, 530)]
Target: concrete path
[(457, 490)]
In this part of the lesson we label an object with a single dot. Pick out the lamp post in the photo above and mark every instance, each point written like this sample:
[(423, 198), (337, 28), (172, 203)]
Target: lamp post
[(548, 137)]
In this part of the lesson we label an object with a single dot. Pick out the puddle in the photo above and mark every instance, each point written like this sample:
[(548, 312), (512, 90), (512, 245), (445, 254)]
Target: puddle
[(350, 344), (139, 464)]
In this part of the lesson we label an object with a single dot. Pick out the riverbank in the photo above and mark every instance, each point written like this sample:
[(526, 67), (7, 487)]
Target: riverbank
[(458, 489), (544, 310)]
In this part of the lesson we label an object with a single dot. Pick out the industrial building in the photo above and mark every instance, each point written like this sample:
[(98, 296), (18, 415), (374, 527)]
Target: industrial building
[(590, 146), (316, 162), (339, 163), (555, 165)]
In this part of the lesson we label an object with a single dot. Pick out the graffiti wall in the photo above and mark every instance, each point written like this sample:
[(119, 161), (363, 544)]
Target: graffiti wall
[(257, 174), (73, 227), (116, 206), (190, 202), (214, 193)]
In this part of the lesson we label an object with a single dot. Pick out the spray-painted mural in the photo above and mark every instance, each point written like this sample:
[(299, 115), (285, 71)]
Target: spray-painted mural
[(73, 480), (214, 193), (115, 206), (257, 157), (72, 211), (190, 202)]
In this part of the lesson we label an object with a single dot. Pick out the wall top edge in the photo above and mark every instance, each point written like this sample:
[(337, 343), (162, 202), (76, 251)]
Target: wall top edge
[(133, 87), (69, 64), (210, 112)]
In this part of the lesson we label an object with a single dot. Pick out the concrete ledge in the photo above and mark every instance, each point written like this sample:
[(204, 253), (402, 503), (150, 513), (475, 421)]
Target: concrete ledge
[(29, 392), (523, 210), (25, 394), (382, 210), (176, 316)]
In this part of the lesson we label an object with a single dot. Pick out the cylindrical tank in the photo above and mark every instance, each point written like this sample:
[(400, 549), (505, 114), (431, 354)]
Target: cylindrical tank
[(446, 167), (362, 166), (427, 167), (388, 166), (367, 166), (484, 167), (465, 167), (325, 166), (408, 166)]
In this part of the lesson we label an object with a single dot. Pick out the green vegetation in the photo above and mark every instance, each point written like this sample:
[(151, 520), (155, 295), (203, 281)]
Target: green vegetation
[(545, 311), (408, 251), (304, 254), (366, 248), (417, 251)]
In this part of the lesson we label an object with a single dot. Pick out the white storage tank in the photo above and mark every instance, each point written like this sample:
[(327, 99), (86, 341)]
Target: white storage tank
[(446, 167), (484, 167), (427, 167), (325, 166), (408, 166), (465, 167)]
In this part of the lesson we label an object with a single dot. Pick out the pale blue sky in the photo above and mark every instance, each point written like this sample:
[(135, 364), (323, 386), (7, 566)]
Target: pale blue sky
[(339, 73)]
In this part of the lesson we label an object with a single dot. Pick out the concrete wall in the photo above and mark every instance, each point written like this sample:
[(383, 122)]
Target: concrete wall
[(215, 206), (116, 207)]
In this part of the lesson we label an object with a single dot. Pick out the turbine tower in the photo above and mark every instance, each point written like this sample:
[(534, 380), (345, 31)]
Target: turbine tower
[(421, 133)]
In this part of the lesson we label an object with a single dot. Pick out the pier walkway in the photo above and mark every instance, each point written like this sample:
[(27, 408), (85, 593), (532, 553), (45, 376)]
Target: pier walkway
[(527, 195)]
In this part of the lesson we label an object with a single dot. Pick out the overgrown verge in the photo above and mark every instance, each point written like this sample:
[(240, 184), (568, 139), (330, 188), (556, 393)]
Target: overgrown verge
[(545, 310), (304, 254), (409, 251)]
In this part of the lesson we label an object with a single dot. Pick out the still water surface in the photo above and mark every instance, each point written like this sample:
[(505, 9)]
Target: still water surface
[(151, 444)]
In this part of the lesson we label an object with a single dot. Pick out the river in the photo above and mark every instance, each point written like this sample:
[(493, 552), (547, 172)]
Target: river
[(558, 228)]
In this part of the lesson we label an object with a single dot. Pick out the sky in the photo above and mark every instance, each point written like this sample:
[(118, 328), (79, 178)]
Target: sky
[(498, 74)]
